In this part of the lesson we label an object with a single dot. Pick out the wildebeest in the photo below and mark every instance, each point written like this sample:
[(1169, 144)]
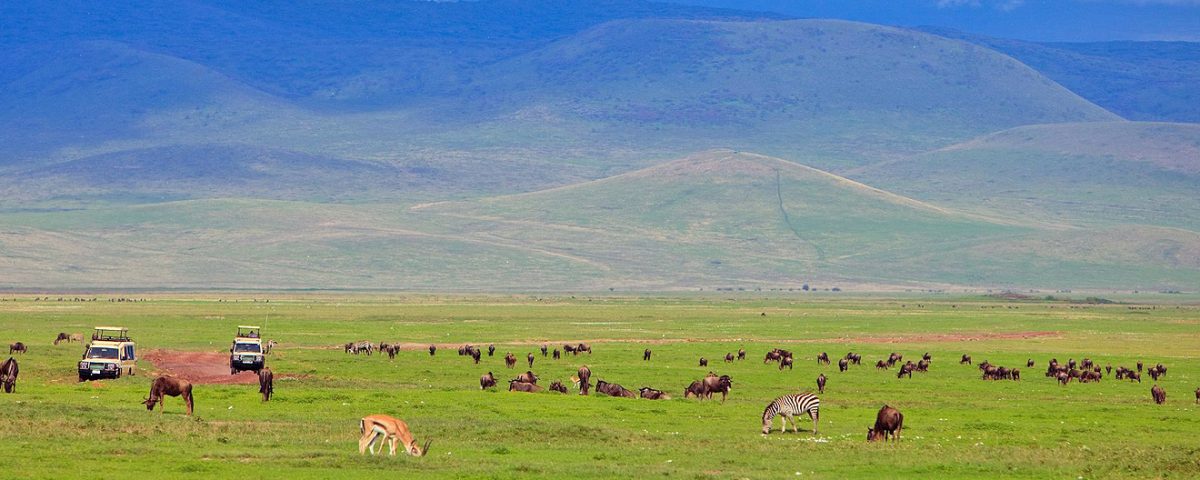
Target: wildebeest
[(652, 394), (785, 362), (888, 421), (69, 338), (927, 357), (741, 354), (1131, 375), (713, 384), (906, 369), (491, 350), (556, 354), (1139, 365), (585, 376), (569, 349), (9, 371), (510, 360), (696, 389), (169, 386), (729, 358), (843, 365), (788, 407), (515, 386), (583, 347), (881, 365), (1029, 363), (1108, 369), (1198, 396), (703, 362), (527, 377), (557, 386), (529, 357), (1063, 378), (544, 349), (266, 383), (772, 356), (391, 351), (613, 389), (821, 383), (17, 347), (432, 349), (893, 358), (646, 355), (923, 365), (854, 358), (487, 381), (1160, 395), (1016, 374), (823, 358), (965, 359)]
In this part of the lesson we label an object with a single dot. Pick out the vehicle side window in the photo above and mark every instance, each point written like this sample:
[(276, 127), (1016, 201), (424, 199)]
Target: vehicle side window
[(129, 353)]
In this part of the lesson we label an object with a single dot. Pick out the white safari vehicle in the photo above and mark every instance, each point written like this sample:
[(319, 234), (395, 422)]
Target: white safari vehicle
[(247, 350), (110, 354)]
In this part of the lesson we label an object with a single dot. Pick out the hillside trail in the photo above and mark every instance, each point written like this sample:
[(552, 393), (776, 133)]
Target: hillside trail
[(198, 367)]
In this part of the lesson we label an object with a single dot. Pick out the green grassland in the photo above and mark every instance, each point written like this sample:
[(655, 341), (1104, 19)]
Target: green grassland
[(957, 426)]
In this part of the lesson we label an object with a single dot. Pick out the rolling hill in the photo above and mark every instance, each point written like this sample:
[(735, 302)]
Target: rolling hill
[(1098, 174)]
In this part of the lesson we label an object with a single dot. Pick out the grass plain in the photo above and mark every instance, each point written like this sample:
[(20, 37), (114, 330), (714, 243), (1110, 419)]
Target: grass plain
[(956, 425)]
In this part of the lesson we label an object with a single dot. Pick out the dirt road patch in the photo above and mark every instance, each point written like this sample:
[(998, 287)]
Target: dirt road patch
[(198, 367)]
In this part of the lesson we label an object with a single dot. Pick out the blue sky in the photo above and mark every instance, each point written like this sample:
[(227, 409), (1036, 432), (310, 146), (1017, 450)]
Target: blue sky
[(1042, 20)]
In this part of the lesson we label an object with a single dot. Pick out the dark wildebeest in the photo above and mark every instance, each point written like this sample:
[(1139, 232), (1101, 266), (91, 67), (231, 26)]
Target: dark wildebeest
[(1029, 363), (1131, 375), (1016, 374), (491, 350), (613, 389), (713, 383), (1160, 395), (823, 358), (391, 351), (772, 356), (475, 354), (741, 354), (569, 349), (1198, 396), (927, 357), (653, 394), (486, 381), (843, 365), (888, 421), (585, 376), (557, 386), (785, 362), (1139, 366), (556, 354), (266, 383), (965, 359), (1154, 373), (646, 355), (9, 371), (510, 360), (529, 357), (169, 386), (432, 350), (696, 389), (69, 338), (1063, 378), (728, 358), (1108, 369), (583, 347), (703, 362), (17, 347), (923, 365), (544, 350), (856, 359), (893, 358), (881, 365), (515, 386), (821, 383), (906, 369), (527, 377)]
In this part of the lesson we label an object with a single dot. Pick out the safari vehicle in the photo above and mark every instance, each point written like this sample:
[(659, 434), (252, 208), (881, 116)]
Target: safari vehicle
[(247, 350), (110, 353)]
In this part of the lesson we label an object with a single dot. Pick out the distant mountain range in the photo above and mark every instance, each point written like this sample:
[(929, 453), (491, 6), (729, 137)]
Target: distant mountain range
[(582, 145)]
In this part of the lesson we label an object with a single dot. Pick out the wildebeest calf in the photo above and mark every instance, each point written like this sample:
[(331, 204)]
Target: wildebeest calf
[(169, 386), (653, 394), (888, 421), (557, 386), (17, 347)]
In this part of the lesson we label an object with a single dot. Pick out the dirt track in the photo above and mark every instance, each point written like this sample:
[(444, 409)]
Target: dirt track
[(198, 367)]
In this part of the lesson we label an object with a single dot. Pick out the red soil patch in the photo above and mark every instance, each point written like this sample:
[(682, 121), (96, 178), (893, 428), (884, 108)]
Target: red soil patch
[(198, 367)]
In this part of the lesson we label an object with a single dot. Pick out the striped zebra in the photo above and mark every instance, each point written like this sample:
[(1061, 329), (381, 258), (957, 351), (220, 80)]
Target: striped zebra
[(790, 406)]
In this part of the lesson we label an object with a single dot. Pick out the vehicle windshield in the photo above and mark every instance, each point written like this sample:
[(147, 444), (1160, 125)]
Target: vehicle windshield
[(247, 348), (102, 352)]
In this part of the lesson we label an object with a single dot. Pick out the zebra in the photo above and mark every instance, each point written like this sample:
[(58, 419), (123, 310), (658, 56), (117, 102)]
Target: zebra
[(788, 406)]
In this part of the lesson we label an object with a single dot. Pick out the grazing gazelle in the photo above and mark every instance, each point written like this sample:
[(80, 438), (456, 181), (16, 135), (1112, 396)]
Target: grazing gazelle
[(385, 429)]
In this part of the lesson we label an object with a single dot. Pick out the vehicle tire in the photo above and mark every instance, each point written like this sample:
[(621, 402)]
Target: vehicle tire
[(118, 374), (82, 379)]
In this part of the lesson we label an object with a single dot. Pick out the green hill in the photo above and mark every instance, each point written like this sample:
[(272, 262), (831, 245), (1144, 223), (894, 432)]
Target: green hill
[(1097, 174)]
